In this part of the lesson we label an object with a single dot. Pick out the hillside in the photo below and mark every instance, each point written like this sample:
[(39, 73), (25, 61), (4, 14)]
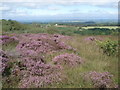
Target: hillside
[(58, 56)]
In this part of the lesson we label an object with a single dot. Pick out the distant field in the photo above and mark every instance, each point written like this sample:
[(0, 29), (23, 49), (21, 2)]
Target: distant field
[(110, 27), (88, 27)]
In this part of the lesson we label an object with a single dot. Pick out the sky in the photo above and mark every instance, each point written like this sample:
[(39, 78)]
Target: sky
[(58, 9)]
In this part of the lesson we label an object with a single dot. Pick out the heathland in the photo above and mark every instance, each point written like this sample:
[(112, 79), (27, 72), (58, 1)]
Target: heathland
[(59, 55)]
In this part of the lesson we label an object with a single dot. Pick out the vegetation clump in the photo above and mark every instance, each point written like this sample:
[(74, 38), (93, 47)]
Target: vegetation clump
[(4, 58), (68, 59), (37, 73), (100, 80), (4, 39), (109, 47), (33, 44)]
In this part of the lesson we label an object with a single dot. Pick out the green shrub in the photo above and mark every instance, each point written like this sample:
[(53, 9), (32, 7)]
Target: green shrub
[(109, 47), (115, 31)]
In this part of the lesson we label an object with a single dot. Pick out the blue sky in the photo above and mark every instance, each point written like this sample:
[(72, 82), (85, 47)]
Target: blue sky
[(59, 9)]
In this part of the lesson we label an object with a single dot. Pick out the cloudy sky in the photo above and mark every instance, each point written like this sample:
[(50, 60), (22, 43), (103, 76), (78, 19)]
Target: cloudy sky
[(58, 9)]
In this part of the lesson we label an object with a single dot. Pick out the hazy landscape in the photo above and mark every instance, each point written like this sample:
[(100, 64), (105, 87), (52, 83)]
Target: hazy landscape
[(59, 52)]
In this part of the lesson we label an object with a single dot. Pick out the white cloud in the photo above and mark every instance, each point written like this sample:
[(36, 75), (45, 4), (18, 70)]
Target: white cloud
[(4, 8), (39, 3), (29, 4), (42, 7), (53, 8), (18, 12), (64, 1)]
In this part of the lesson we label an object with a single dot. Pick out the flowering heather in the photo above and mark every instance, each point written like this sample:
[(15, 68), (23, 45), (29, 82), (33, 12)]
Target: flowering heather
[(69, 59), (40, 81), (3, 60), (37, 73), (33, 44), (33, 70), (7, 39), (100, 80)]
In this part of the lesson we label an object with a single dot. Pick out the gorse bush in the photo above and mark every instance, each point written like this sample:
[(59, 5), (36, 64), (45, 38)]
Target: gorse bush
[(109, 47)]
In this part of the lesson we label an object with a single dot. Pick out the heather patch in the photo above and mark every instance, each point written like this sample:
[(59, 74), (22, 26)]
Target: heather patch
[(31, 72), (34, 44), (68, 59), (100, 80), (4, 39), (38, 81), (4, 58), (36, 73)]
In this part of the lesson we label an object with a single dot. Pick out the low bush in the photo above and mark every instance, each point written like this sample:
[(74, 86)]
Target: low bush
[(109, 47)]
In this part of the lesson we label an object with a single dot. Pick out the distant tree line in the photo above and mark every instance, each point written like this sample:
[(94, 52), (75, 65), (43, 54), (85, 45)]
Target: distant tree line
[(98, 31)]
